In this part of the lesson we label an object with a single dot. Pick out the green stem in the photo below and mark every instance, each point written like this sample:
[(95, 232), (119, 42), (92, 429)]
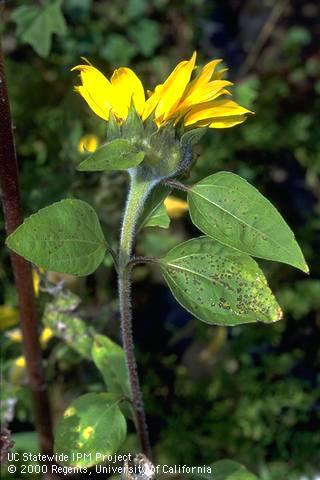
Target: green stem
[(138, 192)]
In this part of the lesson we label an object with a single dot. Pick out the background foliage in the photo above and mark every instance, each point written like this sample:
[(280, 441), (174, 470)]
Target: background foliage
[(252, 392)]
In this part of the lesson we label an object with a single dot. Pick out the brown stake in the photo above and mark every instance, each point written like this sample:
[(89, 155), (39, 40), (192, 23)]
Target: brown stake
[(22, 272)]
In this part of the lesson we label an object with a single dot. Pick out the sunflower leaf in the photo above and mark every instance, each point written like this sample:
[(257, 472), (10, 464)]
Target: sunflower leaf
[(92, 425), (230, 210), (110, 360), (218, 284), (65, 237), (119, 154)]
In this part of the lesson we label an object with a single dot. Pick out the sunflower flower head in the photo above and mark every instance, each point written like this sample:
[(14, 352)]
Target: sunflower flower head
[(190, 98)]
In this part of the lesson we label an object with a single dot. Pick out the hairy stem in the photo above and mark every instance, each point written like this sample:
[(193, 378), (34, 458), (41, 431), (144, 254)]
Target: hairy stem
[(140, 260), (137, 195), (22, 273), (178, 185)]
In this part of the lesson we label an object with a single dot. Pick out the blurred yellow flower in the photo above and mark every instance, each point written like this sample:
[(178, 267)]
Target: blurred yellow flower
[(20, 362), (36, 282), (88, 143), (200, 102), (15, 335), (9, 316), (18, 371), (45, 336), (175, 206)]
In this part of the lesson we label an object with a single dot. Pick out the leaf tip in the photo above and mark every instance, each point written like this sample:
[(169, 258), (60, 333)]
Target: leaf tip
[(9, 241), (80, 167), (302, 265)]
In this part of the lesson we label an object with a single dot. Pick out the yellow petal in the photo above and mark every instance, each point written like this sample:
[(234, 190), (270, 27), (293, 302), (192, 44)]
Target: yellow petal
[(223, 122), (226, 92), (95, 89), (202, 79), (173, 89), (207, 72), (204, 93), (127, 87), (175, 206), (227, 122), (197, 91), (152, 102), (88, 143), (209, 111), (92, 104), (219, 74)]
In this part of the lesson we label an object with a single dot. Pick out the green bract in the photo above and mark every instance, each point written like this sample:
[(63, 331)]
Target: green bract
[(159, 218), (160, 153), (152, 204), (119, 154), (192, 137)]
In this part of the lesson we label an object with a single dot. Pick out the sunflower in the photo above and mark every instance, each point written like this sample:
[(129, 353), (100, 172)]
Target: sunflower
[(202, 101)]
